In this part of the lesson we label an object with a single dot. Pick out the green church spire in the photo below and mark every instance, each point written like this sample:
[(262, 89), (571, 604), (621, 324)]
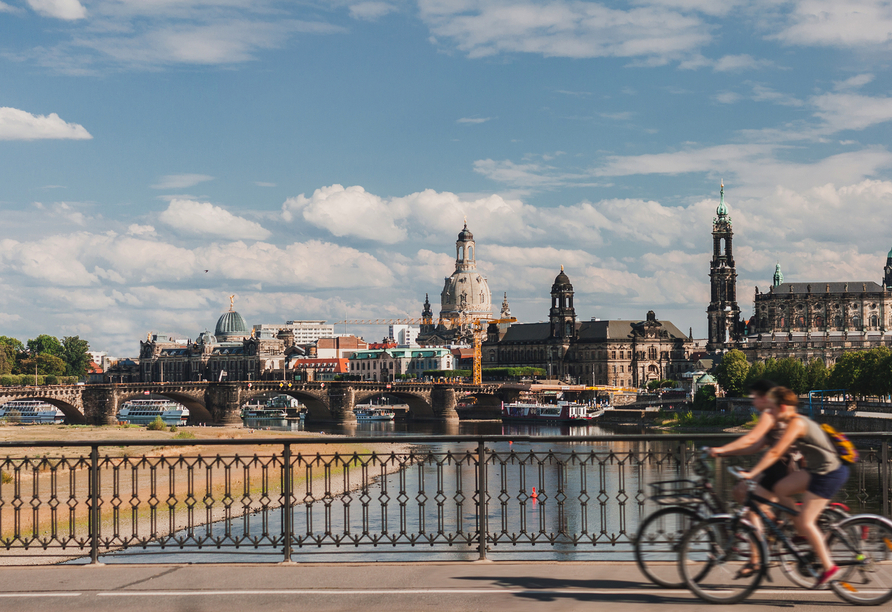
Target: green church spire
[(778, 275), (722, 210)]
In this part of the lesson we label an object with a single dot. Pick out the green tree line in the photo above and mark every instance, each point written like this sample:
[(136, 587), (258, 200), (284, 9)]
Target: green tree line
[(47, 354), (862, 373)]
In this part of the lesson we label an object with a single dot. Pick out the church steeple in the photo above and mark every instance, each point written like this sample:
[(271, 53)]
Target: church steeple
[(723, 312), (562, 314), (427, 317), (778, 276), (888, 270)]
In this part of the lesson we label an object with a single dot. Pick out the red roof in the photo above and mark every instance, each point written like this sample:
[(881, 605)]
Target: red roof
[(338, 366), (94, 368)]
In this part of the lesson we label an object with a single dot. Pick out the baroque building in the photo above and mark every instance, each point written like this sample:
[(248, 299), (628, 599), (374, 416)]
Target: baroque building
[(232, 352), (465, 299), (805, 320), (625, 353)]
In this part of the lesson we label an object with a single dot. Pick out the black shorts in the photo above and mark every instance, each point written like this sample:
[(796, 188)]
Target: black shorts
[(773, 473), (825, 486)]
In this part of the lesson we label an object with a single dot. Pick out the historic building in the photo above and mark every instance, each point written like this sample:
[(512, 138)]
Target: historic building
[(390, 363), (232, 352), (804, 320), (624, 353), (465, 299)]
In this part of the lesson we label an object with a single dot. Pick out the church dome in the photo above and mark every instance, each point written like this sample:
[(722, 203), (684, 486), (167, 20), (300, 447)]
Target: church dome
[(231, 325), (465, 235), (466, 292), (562, 280)]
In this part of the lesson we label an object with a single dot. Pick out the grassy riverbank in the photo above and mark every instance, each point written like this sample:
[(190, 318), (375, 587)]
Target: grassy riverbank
[(709, 422)]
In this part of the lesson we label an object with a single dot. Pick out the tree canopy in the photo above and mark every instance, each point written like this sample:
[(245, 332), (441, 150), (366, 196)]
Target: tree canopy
[(731, 373)]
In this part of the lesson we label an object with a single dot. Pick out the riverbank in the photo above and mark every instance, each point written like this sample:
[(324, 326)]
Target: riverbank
[(148, 493)]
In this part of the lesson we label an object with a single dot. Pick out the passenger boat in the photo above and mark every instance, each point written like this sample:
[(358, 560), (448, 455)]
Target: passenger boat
[(31, 411), (144, 411), (560, 412), (278, 407), (369, 412)]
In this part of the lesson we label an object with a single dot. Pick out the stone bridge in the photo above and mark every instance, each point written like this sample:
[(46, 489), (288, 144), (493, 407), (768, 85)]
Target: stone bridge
[(221, 402)]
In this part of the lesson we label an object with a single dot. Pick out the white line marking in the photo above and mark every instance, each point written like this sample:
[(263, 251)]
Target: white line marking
[(494, 591), (40, 594)]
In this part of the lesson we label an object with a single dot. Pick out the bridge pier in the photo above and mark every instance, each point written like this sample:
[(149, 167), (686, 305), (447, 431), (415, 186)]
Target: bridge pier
[(341, 401), (443, 403), (100, 404), (223, 400)]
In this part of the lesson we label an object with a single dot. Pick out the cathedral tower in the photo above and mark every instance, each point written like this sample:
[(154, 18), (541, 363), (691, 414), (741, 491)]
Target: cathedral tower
[(562, 314), (723, 312), (888, 270)]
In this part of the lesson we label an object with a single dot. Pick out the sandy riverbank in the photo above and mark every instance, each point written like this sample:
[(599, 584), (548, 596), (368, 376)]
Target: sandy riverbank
[(150, 492)]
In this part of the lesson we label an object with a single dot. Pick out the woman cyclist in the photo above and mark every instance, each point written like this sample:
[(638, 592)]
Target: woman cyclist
[(823, 476), (767, 432)]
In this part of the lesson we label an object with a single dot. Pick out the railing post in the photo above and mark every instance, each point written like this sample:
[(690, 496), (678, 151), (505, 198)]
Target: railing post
[(482, 526), (884, 475), (94, 504), (682, 460), (286, 505)]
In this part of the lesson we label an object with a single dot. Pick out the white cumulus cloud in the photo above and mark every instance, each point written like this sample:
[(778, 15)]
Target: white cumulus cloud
[(203, 218), (17, 124), (181, 181), (68, 10)]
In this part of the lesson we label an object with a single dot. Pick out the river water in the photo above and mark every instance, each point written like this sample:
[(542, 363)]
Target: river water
[(592, 492)]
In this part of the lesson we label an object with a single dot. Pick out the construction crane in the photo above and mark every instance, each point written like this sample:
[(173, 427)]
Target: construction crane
[(477, 330)]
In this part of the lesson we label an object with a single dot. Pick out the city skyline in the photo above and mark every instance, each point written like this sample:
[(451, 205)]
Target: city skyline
[(317, 160)]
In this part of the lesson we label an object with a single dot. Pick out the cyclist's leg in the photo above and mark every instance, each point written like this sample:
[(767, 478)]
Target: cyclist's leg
[(794, 484), (807, 526)]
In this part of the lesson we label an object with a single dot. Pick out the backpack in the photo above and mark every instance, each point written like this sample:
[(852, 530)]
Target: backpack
[(844, 447)]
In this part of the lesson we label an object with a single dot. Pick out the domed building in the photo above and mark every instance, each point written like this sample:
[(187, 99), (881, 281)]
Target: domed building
[(465, 298), (233, 352)]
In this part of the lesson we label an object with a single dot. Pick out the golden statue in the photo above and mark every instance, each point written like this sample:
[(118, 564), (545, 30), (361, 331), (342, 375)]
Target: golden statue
[(231, 301)]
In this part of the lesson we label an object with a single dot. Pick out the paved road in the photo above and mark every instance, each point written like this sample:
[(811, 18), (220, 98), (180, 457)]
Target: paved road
[(381, 587)]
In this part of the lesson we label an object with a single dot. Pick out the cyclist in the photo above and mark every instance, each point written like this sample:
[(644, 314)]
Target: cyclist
[(823, 476), (767, 432)]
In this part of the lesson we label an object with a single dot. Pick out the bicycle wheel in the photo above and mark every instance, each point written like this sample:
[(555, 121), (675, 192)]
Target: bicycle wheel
[(802, 572), (723, 560), (657, 543), (862, 548)]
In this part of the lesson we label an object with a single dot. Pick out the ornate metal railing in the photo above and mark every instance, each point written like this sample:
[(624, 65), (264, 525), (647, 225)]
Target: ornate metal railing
[(474, 496)]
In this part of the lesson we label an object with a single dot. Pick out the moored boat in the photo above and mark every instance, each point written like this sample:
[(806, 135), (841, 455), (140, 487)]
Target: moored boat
[(560, 412), (31, 411), (144, 411), (369, 412)]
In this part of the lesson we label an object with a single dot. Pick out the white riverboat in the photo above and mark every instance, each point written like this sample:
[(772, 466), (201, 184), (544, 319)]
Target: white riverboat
[(276, 408), (370, 412), (560, 412), (144, 411), (31, 411)]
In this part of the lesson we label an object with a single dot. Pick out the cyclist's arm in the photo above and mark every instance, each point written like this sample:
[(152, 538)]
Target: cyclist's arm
[(751, 442), (794, 431)]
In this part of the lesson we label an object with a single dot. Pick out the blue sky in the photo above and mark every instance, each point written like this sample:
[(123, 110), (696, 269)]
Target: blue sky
[(317, 158)]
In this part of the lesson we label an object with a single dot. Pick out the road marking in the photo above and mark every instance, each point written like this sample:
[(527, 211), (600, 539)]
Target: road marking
[(493, 591), (60, 594)]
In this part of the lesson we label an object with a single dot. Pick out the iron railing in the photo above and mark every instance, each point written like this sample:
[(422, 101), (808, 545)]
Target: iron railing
[(293, 498)]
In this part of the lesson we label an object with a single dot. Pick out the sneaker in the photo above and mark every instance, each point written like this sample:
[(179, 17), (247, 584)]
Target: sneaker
[(826, 576)]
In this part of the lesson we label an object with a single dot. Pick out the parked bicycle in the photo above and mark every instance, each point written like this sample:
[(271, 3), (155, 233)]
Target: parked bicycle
[(724, 558), (688, 502)]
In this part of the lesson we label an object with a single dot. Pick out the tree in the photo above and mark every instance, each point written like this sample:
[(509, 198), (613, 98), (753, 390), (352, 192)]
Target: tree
[(816, 374), (46, 364), (790, 372), (731, 373), (76, 354), (846, 371), (45, 344), (704, 399), (10, 348)]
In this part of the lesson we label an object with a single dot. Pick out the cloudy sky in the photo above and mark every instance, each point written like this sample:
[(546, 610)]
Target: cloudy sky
[(316, 158)]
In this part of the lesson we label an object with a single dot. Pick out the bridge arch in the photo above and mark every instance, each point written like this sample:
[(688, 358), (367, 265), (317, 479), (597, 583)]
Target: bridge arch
[(317, 410), (419, 405), (198, 412), (73, 414)]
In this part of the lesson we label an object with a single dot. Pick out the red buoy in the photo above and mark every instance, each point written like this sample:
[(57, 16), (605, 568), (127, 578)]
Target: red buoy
[(534, 496)]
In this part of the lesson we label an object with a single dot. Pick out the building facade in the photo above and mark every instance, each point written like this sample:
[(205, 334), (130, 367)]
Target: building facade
[(386, 365), (625, 353)]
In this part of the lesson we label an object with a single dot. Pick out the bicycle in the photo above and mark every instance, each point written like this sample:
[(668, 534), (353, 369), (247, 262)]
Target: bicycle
[(688, 502), (724, 558)]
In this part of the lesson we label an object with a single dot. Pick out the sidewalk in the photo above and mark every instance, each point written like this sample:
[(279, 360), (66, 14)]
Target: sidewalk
[(381, 587)]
